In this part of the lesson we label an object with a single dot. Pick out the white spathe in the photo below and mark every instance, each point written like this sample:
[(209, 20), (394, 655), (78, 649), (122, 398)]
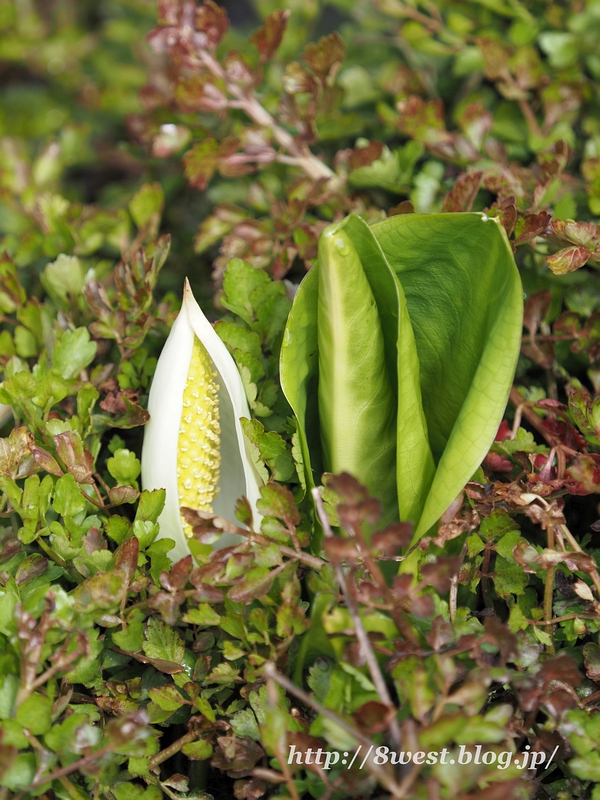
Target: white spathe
[(238, 476)]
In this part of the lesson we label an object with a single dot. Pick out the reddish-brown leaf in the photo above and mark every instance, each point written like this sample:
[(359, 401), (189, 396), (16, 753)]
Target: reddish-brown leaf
[(212, 20), (591, 655), (126, 557), (340, 550), (236, 754), (178, 575), (374, 717), (579, 233), (568, 260), (122, 494), (325, 56), (440, 572), (404, 207), (363, 156), (297, 79), (475, 122), (268, 38), (46, 461), (78, 461), (201, 162), (462, 195), (530, 226), (536, 308), (393, 538)]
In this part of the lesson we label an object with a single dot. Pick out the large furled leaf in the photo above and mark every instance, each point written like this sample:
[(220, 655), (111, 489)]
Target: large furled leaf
[(399, 355)]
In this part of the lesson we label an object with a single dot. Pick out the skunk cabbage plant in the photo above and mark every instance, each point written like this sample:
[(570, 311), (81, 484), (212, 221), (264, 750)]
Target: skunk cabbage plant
[(194, 446), (399, 354)]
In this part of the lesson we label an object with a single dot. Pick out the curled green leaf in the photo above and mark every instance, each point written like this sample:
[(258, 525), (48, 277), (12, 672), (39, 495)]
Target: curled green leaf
[(399, 354)]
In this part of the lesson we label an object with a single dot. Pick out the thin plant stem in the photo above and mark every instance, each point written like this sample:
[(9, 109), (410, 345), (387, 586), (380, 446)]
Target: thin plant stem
[(576, 546), (361, 634), (564, 618), (173, 748), (313, 167), (453, 598), (549, 589), (269, 671)]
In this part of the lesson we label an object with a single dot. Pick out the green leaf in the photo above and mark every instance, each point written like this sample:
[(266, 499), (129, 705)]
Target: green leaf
[(586, 767), (167, 697), (131, 791), (509, 578), (125, 467), (459, 295), (9, 686), (244, 724), (68, 499), (63, 279), (238, 338), (392, 171), (147, 204), (204, 616), (35, 714), (60, 737), (197, 751), (25, 343), (357, 372), (73, 352), (130, 638), (464, 299), (523, 442), (270, 448), (117, 528), (20, 774), (150, 505), (163, 642), (200, 162), (50, 389), (239, 283)]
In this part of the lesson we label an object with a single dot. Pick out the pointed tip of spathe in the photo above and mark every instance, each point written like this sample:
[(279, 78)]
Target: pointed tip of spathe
[(189, 302)]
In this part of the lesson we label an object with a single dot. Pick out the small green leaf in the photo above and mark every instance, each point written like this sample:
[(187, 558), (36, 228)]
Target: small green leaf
[(197, 751), (130, 638), (150, 505), (204, 615), (131, 791), (238, 338), (25, 343), (125, 467), (63, 279), (20, 773), (73, 352), (240, 281), (272, 450), (244, 724), (163, 642), (167, 697), (68, 499), (117, 528), (9, 686), (509, 578), (35, 714), (201, 162), (147, 204)]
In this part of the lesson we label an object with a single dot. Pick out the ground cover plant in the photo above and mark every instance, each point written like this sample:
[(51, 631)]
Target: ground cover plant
[(141, 143)]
